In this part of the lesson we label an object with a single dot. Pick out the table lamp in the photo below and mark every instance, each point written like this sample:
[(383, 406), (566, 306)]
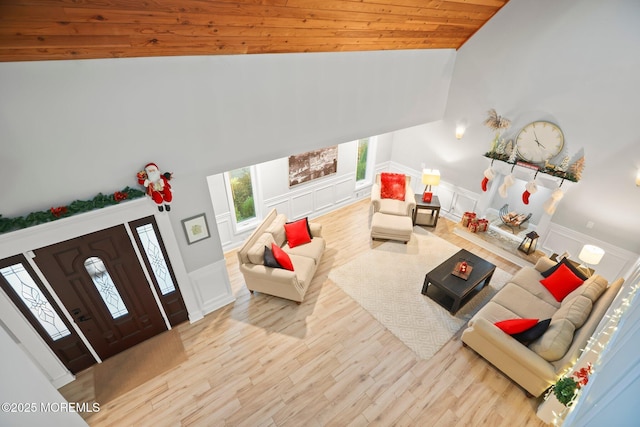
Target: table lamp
[(590, 255), (429, 177)]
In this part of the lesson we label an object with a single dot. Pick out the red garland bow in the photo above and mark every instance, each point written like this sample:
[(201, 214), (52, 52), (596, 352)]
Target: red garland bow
[(57, 212), (582, 375), (119, 196)]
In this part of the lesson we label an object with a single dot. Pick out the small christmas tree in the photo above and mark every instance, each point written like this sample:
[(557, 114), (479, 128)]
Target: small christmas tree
[(577, 168), (514, 154), (563, 165)]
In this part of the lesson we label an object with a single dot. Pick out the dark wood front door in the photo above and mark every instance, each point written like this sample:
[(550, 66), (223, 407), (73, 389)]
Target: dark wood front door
[(99, 280)]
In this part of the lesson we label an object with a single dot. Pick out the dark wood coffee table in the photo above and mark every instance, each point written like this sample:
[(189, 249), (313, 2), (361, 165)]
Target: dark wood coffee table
[(451, 291)]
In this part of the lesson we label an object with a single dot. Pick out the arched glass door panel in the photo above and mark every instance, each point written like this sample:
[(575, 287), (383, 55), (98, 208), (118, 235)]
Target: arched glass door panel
[(105, 286)]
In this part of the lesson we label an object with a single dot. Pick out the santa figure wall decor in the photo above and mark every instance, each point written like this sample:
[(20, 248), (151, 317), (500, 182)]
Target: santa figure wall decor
[(157, 185)]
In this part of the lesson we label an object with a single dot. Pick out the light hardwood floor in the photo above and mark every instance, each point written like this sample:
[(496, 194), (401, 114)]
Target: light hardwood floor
[(265, 361)]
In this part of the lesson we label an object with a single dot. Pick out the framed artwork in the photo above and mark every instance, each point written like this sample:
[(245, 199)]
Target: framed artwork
[(312, 165), (196, 228)]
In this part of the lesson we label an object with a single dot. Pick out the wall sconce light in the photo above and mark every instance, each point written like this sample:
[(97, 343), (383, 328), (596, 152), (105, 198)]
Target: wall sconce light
[(429, 177), (638, 178), (461, 127)]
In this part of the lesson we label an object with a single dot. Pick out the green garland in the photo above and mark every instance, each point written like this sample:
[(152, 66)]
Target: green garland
[(76, 207), (553, 172)]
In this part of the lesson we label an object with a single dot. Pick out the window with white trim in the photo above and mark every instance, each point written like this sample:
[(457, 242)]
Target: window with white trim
[(365, 161), (241, 192)]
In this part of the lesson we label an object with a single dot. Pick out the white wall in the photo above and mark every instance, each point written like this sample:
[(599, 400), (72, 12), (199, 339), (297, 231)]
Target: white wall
[(573, 63), (72, 129), (23, 384)]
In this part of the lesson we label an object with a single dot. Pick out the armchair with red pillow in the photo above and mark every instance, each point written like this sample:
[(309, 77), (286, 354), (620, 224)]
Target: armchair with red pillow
[(392, 194)]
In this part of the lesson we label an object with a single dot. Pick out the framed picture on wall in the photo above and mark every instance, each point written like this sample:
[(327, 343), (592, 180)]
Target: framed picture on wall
[(196, 228), (312, 165)]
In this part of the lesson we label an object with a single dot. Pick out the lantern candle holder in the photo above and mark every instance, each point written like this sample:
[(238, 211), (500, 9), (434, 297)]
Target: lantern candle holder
[(529, 243)]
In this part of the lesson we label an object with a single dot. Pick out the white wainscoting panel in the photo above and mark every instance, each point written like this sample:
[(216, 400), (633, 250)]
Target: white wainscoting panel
[(324, 197), (344, 190), (462, 203), (281, 205), (212, 286), (446, 196), (302, 205), (225, 228)]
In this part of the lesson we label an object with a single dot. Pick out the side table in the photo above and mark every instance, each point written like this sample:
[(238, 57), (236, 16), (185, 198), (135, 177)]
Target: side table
[(433, 206)]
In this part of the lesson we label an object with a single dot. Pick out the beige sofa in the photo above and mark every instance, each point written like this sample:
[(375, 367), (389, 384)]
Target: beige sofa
[(573, 321), (279, 282)]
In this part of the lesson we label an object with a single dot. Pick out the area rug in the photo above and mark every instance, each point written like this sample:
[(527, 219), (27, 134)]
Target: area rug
[(137, 365), (387, 282)]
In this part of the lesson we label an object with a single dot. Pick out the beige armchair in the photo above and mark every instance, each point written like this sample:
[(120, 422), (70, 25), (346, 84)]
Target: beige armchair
[(392, 219), (391, 206)]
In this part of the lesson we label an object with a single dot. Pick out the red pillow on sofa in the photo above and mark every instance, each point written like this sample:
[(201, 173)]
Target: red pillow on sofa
[(297, 232), (281, 257), (561, 282), (515, 326), (566, 262), (392, 186)]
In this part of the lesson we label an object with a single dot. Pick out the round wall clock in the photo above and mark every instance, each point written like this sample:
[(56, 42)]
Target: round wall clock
[(539, 141)]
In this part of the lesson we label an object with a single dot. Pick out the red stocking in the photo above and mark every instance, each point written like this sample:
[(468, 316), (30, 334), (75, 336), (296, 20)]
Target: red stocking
[(530, 188), (484, 183)]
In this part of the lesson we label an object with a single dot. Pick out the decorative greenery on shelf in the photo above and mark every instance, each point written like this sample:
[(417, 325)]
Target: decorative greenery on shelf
[(549, 169), (498, 156), (566, 388), (76, 207)]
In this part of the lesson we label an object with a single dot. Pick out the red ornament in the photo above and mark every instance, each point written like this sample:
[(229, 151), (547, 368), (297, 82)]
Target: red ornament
[(582, 375), (119, 196), (57, 212), (463, 267)]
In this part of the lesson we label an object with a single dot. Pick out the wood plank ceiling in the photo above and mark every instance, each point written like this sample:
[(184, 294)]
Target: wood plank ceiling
[(38, 30)]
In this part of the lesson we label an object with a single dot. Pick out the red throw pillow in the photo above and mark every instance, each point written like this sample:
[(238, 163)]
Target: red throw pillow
[(566, 262), (392, 186), (561, 282), (282, 257), (297, 232), (515, 326)]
